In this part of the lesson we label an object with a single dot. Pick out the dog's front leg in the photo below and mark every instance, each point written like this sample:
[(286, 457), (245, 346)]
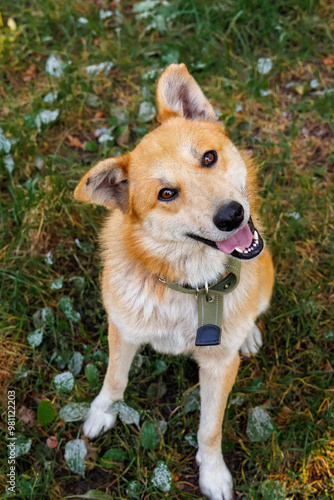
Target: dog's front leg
[(121, 354), (216, 381)]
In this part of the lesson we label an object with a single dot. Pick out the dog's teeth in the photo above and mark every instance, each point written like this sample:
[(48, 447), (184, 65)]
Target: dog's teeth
[(256, 235), (238, 249)]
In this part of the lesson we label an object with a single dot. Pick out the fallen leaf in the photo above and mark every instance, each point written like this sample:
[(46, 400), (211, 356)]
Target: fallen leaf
[(11, 24), (29, 73), (75, 142), (328, 61), (52, 442), (282, 416), (124, 137), (91, 450), (175, 477), (325, 366), (300, 89), (98, 115), (27, 416)]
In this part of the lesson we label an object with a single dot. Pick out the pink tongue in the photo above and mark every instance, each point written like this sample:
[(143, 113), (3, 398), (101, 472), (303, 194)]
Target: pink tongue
[(242, 239)]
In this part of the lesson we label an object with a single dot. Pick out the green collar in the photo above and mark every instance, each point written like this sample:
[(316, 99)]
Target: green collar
[(210, 303)]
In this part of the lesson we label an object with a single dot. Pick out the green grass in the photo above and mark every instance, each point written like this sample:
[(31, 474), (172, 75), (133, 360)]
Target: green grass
[(289, 132)]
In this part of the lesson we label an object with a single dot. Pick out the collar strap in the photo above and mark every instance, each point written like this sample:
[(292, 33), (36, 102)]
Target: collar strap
[(223, 285), (210, 303)]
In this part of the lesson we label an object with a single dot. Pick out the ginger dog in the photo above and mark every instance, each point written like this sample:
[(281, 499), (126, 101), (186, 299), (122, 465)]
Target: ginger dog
[(184, 216)]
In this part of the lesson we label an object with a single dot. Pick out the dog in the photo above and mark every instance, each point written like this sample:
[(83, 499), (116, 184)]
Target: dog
[(186, 269)]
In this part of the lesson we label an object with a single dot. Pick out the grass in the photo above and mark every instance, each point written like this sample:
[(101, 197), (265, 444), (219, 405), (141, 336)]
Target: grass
[(289, 132)]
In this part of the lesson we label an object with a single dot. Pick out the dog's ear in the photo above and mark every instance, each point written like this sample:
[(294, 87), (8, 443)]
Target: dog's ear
[(178, 94), (105, 184)]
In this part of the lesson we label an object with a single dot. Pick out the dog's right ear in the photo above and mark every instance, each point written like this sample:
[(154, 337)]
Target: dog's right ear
[(105, 184)]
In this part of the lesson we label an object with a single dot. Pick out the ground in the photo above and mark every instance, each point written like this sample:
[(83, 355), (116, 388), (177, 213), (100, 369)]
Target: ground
[(268, 69)]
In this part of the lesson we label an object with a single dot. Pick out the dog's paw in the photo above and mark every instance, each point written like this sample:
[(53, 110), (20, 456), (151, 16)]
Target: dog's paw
[(97, 422), (215, 481), (253, 342)]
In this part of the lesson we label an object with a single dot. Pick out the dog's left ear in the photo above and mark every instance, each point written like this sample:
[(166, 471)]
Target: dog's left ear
[(178, 94), (106, 184)]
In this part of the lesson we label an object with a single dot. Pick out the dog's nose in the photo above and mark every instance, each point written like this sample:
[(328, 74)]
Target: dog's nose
[(229, 217)]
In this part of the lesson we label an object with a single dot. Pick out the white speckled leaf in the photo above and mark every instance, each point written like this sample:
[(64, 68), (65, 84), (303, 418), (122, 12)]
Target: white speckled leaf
[(162, 478), (145, 6), (238, 400), (328, 336), (105, 138), (75, 363), (273, 490), (43, 317), (46, 117), (35, 338), (96, 495), (75, 452), (259, 424), (47, 315), (51, 97), (134, 489), (264, 65), (9, 163), (55, 66), (57, 284), (64, 381), (67, 308), (96, 69), (22, 445), (94, 100), (48, 258), (191, 400), (192, 439), (314, 84), (104, 14), (162, 426), (5, 144), (74, 412), (83, 20), (127, 414), (78, 282), (146, 112)]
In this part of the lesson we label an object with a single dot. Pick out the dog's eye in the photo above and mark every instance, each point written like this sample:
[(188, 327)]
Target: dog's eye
[(209, 158), (167, 194)]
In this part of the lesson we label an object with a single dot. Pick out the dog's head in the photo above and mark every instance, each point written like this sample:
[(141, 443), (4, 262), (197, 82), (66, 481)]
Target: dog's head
[(185, 182)]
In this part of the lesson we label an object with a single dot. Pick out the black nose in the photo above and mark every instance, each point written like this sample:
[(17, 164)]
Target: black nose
[(229, 217)]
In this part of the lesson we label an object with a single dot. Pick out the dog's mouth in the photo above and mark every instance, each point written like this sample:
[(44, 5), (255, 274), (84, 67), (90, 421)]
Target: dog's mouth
[(245, 244)]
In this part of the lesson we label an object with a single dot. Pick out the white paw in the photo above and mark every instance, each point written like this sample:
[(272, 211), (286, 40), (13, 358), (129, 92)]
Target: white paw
[(215, 481), (97, 423), (98, 419), (253, 342)]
